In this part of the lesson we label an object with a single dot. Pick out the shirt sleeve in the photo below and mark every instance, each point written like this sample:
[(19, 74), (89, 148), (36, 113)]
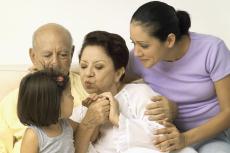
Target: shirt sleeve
[(135, 130), (135, 133), (218, 61), (78, 113), (132, 71)]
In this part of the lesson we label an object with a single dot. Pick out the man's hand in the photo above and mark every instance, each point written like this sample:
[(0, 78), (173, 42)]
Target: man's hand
[(161, 109)]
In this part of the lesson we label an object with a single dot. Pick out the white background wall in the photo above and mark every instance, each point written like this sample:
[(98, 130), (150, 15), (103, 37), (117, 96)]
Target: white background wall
[(19, 18)]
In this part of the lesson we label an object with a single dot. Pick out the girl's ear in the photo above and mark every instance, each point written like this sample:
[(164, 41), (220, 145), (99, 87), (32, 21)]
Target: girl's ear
[(171, 40), (119, 74)]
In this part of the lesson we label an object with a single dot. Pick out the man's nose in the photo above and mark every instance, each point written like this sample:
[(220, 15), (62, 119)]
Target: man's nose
[(54, 61)]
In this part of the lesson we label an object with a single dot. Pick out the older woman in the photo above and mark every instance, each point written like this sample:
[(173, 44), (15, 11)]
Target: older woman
[(103, 59)]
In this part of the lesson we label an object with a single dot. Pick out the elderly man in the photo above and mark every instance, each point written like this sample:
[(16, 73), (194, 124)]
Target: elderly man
[(52, 47)]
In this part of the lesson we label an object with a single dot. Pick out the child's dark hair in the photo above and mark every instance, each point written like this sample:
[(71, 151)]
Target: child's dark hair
[(40, 97), (161, 19)]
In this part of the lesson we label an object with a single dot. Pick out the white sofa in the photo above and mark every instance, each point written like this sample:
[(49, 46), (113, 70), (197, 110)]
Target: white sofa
[(11, 75)]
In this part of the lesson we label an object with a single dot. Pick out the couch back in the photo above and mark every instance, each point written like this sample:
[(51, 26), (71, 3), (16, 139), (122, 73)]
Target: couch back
[(11, 75)]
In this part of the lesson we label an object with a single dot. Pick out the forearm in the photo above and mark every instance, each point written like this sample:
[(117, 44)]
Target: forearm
[(95, 134), (83, 136), (209, 129)]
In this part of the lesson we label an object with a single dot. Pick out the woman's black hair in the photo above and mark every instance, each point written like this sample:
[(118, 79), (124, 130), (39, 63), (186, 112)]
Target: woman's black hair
[(161, 19), (113, 44), (40, 97)]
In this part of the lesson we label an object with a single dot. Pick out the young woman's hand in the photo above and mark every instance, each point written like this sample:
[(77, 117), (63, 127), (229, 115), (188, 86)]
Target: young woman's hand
[(114, 108), (169, 138), (161, 109)]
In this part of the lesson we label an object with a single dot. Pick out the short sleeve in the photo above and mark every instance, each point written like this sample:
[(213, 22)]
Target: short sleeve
[(132, 71), (78, 113), (218, 61)]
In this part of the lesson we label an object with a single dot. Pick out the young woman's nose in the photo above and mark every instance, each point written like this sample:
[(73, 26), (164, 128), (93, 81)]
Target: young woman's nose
[(137, 51)]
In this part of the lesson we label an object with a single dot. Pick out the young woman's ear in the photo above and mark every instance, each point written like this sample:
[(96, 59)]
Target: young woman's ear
[(119, 74), (170, 41)]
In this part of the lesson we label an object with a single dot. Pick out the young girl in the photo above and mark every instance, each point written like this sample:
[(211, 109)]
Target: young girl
[(45, 104)]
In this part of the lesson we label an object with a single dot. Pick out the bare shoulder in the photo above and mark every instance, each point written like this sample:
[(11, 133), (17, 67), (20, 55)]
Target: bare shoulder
[(30, 142)]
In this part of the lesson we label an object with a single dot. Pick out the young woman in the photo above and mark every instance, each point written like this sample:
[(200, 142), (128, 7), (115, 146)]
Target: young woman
[(192, 70)]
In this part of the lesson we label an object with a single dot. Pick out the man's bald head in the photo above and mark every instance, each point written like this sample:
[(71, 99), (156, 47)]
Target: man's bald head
[(52, 47), (52, 29)]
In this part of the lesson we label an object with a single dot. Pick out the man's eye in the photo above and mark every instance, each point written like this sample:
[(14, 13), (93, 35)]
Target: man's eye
[(64, 55), (47, 56)]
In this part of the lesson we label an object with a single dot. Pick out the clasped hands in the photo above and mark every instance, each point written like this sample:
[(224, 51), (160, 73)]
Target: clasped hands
[(101, 109)]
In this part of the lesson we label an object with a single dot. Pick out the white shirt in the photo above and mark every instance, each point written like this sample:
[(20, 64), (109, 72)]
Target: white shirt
[(135, 131)]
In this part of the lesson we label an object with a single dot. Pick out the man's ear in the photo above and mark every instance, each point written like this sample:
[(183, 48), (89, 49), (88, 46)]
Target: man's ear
[(119, 74), (72, 50), (32, 56), (171, 40)]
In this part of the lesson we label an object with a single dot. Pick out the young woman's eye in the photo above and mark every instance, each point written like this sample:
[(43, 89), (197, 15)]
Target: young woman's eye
[(144, 46)]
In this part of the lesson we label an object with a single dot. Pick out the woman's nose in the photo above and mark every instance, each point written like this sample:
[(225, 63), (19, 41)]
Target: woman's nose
[(90, 72), (137, 52)]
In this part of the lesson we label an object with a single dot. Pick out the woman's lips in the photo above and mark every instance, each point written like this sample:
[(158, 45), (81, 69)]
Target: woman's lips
[(88, 84)]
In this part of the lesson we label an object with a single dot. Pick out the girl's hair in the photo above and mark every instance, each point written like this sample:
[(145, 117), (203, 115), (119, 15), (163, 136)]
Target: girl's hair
[(113, 44), (161, 19), (40, 97)]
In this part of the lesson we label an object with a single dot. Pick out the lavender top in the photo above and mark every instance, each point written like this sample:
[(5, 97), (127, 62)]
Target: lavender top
[(189, 81)]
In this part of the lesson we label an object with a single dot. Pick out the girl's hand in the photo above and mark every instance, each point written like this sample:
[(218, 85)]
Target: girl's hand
[(169, 138), (161, 109), (114, 108)]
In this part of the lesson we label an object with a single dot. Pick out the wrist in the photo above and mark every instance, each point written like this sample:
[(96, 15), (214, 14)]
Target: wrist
[(184, 139), (88, 124), (174, 111)]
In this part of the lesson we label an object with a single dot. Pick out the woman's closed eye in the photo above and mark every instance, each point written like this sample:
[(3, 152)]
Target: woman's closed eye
[(99, 67), (83, 66)]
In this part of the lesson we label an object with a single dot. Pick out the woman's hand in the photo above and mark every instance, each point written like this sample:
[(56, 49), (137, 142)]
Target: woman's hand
[(169, 138), (161, 109), (97, 113), (114, 108), (90, 99)]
